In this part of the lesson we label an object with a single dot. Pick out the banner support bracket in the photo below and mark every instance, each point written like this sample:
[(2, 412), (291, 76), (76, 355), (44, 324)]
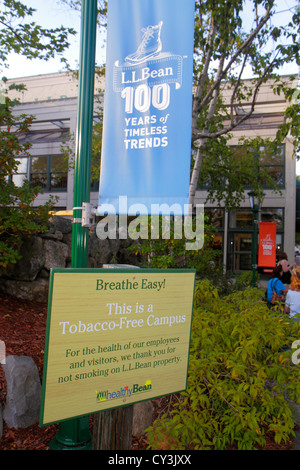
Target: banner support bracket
[(88, 215)]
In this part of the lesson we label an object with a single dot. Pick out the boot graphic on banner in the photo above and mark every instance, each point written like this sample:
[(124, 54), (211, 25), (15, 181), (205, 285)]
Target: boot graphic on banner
[(150, 46)]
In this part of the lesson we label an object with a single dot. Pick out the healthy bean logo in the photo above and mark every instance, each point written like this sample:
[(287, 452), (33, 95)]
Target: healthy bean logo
[(123, 392)]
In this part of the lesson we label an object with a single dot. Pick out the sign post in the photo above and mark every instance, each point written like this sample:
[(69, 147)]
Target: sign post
[(74, 434)]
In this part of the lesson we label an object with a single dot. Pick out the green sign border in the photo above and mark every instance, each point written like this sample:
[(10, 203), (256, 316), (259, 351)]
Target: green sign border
[(109, 271)]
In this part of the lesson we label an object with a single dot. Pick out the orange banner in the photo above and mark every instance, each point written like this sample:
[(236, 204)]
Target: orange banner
[(267, 244)]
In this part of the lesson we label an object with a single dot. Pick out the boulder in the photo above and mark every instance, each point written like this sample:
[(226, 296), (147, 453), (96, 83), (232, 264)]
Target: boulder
[(24, 389), (99, 250), (56, 254), (56, 236), (28, 290), (32, 261), (67, 239), (61, 224)]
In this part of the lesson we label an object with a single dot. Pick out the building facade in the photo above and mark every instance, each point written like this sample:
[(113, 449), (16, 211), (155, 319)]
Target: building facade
[(235, 228), (52, 100)]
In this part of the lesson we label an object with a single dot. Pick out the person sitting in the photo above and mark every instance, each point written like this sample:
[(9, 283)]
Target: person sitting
[(275, 285), (292, 302)]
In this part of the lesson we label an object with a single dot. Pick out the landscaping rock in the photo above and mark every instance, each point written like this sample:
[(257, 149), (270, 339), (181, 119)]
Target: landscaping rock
[(28, 290), (29, 278), (32, 261), (61, 224), (56, 236), (23, 392), (55, 254), (100, 251)]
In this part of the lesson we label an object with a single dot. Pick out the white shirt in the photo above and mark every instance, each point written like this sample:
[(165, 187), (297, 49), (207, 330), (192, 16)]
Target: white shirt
[(293, 301)]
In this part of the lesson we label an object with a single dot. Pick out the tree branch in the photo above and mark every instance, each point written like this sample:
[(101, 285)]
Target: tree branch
[(203, 76), (258, 82), (239, 51)]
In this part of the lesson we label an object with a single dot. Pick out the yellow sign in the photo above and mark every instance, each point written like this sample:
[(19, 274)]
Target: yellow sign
[(114, 338)]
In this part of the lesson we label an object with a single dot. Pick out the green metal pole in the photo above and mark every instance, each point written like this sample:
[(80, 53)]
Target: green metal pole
[(74, 434), (82, 178), (254, 245)]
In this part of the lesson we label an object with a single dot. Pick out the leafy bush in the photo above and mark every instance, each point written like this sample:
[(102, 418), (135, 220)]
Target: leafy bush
[(18, 217), (167, 252), (239, 376)]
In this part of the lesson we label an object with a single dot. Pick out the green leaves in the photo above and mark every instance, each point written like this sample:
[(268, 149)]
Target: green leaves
[(238, 378), (230, 39), (28, 38), (18, 217)]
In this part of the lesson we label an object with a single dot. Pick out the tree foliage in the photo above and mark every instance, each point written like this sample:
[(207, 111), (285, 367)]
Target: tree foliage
[(18, 217), (226, 50), (102, 8), (24, 37), (242, 381)]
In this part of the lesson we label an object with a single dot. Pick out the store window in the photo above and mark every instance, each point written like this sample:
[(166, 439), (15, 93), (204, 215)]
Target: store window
[(269, 164), (241, 218), (49, 172), (239, 252), (215, 216), (95, 185), (274, 163), (38, 172), (273, 215), (58, 174), (22, 172)]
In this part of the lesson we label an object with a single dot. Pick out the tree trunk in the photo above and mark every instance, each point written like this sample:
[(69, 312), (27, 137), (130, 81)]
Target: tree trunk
[(195, 177), (113, 429)]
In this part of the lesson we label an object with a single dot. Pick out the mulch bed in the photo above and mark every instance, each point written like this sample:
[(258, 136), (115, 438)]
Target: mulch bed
[(23, 328)]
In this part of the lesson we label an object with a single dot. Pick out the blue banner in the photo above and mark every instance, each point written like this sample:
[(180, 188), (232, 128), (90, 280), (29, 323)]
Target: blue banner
[(146, 146)]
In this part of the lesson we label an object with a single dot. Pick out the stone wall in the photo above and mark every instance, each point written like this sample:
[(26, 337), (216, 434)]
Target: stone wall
[(29, 278)]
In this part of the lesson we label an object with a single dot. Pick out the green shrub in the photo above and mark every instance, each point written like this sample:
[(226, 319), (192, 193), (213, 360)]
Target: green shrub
[(239, 376)]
